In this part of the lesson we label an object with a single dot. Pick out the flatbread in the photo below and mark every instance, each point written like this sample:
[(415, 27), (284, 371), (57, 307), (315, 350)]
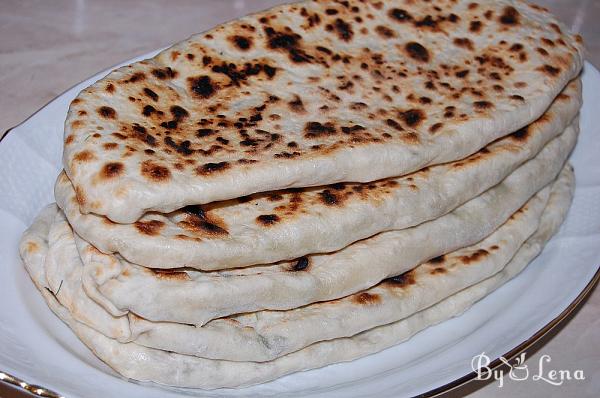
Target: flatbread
[(195, 297), (146, 364), (257, 229), (265, 335), (311, 94)]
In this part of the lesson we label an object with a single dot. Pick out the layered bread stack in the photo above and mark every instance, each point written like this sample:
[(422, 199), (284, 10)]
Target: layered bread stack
[(307, 185)]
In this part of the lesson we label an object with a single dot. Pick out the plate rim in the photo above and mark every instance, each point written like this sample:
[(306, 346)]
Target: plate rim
[(41, 391)]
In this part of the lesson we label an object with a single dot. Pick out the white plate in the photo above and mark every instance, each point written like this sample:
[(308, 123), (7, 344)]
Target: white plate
[(37, 347)]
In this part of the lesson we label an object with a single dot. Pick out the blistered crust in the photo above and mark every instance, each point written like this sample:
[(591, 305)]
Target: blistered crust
[(309, 94)]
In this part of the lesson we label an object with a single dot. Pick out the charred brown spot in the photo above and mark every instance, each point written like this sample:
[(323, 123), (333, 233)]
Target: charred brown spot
[(516, 47), (84, 156), (399, 15), (462, 73), (109, 146), (301, 264), (249, 142), (110, 88), (296, 105), (75, 124), (463, 42), (199, 221), (549, 70), (449, 111), (136, 77), (385, 32), (202, 86), (32, 247), (438, 271), (437, 260), (107, 112), (140, 133), (417, 51), (80, 195), (548, 42), (150, 228), (413, 117), (165, 73), (178, 112), (521, 134), (151, 94), (402, 280), (208, 228), (195, 210), (274, 197), (212, 168), (317, 129), (394, 124), (182, 147), (267, 219), (475, 26), (523, 56), (148, 110), (473, 257), (269, 70), (510, 16), (482, 105), (155, 172), (288, 42), (343, 29), (241, 42), (328, 198), (170, 274), (238, 74), (366, 298), (205, 132), (112, 170), (453, 18), (352, 129), (435, 127)]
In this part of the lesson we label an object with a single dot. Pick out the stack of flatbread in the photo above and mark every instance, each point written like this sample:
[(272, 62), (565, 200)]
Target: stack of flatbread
[(307, 185)]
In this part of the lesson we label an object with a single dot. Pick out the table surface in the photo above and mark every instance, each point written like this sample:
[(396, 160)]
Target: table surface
[(48, 46)]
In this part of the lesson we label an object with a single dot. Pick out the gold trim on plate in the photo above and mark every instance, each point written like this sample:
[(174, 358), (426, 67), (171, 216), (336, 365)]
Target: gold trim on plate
[(30, 388)]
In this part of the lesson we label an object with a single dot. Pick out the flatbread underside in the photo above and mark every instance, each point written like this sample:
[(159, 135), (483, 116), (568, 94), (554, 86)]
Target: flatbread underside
[(311, 94), (145, 364), (196, 297), (256, 229)]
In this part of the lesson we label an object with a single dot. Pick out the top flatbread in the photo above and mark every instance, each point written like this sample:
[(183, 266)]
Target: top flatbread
[(256, 229), (309, 94)]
